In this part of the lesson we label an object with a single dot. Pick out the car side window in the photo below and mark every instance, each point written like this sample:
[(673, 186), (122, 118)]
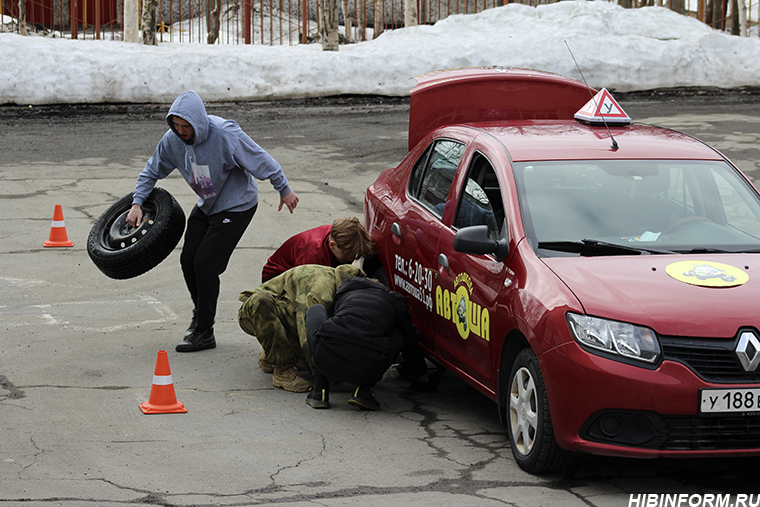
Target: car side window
[(480, 202), (433, 174)]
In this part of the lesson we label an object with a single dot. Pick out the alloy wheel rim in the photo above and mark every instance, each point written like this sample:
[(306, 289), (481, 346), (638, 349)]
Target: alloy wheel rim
[(523, 413)]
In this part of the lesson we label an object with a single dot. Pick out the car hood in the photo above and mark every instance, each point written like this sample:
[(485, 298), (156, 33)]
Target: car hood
[(640, 290)]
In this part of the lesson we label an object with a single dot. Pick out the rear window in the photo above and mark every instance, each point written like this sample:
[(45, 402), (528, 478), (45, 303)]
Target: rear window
[(434, 173)]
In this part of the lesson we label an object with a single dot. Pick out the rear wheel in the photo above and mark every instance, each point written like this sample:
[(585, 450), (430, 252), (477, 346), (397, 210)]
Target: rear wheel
[(529, 423)]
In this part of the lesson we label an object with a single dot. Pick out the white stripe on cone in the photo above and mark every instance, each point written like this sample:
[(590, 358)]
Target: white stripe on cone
[(162, 380)]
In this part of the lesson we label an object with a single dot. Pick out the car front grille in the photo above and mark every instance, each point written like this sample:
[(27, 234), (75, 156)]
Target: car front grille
[(712, 359), (711, 433), (649, 430)]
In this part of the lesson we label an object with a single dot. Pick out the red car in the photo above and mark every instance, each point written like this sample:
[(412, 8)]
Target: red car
[(598, 279)]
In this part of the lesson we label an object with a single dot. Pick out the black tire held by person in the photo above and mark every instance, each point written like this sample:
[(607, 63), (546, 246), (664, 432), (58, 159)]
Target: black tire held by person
[(121, 251)]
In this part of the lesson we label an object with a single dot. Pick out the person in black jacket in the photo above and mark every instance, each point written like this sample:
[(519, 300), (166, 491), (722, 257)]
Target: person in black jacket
[(369, 327)]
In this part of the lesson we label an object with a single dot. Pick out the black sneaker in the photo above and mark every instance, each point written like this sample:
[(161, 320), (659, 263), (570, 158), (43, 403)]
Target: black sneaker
[(193, 324), (318, 399), (199, 339), (364, 399)]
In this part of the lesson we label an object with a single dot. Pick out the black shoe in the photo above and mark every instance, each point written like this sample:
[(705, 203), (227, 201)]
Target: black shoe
[(199, 339), (364, 399), (318, 398), (193, 324)]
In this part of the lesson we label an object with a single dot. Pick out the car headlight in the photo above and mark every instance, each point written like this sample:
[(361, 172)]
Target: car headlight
[(618, 338)]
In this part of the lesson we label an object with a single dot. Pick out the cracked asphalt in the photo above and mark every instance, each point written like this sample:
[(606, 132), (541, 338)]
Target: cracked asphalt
[(77, 349)]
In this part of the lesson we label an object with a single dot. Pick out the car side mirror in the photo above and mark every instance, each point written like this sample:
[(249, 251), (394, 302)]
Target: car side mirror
[(476, 240)]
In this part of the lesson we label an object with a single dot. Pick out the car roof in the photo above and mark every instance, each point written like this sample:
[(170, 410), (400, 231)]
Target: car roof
[(572, 140)]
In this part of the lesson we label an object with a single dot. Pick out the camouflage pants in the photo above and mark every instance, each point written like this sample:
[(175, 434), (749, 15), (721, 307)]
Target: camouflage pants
[(275, 326)]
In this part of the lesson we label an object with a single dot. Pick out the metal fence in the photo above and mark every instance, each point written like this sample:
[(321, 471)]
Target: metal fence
[(276, 22)]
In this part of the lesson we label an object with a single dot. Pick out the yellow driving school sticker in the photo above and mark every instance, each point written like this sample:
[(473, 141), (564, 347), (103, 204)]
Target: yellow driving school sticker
[(457, 307), (707, 273)]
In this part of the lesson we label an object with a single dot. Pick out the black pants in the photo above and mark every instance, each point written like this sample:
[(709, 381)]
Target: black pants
[(315, 316), (209, 243)]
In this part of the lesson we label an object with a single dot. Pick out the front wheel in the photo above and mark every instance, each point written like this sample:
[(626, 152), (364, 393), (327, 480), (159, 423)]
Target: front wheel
[(531, 435)]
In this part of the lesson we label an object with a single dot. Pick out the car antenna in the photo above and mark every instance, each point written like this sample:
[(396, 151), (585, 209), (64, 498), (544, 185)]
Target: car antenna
[(614, 143)]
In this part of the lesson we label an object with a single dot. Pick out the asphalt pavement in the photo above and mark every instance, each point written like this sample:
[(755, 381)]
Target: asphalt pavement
[(78, 349)]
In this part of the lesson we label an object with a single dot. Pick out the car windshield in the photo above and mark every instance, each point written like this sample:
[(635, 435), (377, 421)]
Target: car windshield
[(619, 207)]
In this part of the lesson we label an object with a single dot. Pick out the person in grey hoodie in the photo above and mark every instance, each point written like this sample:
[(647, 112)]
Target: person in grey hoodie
[(219, 161)]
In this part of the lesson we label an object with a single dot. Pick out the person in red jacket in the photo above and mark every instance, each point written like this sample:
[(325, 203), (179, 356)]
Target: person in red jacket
[(328, 245)]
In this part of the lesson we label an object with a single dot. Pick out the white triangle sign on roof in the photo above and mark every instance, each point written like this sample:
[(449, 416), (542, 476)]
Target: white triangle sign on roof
[(603, 107)]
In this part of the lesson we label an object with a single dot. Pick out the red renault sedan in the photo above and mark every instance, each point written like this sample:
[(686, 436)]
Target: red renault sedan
[(597, 278)]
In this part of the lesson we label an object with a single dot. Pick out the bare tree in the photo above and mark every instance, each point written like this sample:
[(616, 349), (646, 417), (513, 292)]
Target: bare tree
[(119, 12), (410, 13), (377, 19), (149, 22), (361, 20), (328, 26), (742, 12), (713, 13), (723, 14), (22, 17), (212, 22), (678, 5), (347, 21)]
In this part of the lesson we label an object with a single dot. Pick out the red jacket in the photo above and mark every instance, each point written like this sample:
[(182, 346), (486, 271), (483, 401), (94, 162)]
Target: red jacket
[(308, 247)]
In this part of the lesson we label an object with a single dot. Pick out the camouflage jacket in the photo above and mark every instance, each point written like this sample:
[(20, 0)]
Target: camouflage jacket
[(303, 286)]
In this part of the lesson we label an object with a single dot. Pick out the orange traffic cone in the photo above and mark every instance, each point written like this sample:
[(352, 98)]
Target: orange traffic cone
[(58, 230), (162, 398)]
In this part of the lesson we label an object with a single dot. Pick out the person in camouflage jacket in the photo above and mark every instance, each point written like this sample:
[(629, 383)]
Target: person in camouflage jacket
[(275, 313)]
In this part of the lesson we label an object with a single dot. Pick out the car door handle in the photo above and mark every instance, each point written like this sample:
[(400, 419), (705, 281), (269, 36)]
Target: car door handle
[(443, 261), (396, 229)]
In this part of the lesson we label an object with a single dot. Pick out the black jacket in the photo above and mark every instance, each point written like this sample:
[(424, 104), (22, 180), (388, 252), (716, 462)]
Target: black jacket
[(370, 325)]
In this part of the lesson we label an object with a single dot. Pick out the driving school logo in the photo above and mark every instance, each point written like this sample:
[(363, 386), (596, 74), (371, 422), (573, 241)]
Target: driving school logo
[(467, 316), (707, 273)]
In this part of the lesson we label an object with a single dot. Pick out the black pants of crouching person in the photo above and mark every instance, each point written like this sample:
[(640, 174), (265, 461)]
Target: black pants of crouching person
[(209, 243), (328, 364)]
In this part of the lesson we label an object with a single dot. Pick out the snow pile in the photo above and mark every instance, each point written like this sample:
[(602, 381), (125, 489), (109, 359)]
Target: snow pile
[(620, 49)]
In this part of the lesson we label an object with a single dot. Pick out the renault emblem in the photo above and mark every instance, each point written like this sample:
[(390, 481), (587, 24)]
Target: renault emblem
[(748, 350)]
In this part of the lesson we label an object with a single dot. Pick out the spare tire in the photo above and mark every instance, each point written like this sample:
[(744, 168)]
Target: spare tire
[(121, 251)]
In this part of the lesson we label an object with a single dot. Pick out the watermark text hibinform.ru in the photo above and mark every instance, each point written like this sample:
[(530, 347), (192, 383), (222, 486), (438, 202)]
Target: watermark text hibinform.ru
[(693, 500)]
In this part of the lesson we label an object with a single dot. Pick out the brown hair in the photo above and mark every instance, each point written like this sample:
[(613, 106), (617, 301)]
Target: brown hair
[(351, 237)]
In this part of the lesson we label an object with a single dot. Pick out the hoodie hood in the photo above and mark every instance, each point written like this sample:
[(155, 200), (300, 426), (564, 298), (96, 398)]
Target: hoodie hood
[(190, 108)]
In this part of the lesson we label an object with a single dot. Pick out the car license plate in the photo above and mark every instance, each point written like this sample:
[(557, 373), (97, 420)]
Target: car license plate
[(715, 401)]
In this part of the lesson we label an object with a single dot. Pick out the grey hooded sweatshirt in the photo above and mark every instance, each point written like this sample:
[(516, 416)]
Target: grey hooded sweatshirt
[(220, 163)]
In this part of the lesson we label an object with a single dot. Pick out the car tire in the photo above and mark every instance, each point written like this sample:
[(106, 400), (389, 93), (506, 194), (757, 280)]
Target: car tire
[(121, 251), (529, 422)]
